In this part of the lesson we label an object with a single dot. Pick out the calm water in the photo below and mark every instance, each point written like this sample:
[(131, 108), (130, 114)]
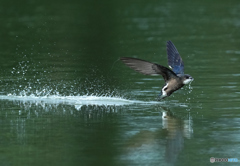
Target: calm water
[(66, 100)]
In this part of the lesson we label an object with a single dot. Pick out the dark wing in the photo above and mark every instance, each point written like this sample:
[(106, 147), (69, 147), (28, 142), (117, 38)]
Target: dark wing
[(174, 59), (148, 68)]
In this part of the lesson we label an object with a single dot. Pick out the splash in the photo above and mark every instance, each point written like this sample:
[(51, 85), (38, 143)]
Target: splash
[(72, 100), (37, 83), (190, 89), (40, 86)]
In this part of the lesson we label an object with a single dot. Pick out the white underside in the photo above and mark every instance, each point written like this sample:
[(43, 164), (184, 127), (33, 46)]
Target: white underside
[(187, 81), (164, 94)]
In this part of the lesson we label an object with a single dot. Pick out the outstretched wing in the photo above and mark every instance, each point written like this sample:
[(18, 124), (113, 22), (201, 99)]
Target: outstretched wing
[(175, 61), (148, 68)]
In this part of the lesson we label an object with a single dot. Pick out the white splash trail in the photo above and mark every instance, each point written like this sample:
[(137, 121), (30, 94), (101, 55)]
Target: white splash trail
[(77, 100)]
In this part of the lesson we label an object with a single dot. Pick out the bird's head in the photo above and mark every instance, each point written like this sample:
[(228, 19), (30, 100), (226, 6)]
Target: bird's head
[(187, 78)]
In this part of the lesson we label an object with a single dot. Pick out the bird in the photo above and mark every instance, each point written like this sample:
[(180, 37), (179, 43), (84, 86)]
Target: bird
[(174, 77)]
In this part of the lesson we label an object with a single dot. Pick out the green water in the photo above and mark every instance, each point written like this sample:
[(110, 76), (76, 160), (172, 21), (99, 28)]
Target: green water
[(55, 57)]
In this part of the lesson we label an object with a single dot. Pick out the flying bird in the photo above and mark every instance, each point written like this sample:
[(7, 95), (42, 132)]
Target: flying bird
[(174, 79)]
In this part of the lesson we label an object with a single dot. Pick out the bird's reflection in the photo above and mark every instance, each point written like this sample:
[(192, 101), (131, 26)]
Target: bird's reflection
[(173, 124), (167, 140), (177, 130)]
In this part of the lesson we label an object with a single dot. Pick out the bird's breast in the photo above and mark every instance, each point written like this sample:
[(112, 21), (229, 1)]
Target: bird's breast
[(172, 86)]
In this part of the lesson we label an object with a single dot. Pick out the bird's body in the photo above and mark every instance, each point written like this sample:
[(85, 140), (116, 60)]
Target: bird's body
[(174, 79)]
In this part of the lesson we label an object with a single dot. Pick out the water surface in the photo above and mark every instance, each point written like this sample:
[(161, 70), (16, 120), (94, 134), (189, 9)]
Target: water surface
[(67, 100)]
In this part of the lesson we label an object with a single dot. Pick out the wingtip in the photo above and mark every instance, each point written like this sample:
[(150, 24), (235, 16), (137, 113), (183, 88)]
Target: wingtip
[(169, 42), (124, 58)]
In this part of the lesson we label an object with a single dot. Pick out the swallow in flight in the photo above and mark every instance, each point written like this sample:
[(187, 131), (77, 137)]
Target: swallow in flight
[(174, 79)]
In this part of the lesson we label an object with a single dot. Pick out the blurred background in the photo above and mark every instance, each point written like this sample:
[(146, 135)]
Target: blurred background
[(71, 50)]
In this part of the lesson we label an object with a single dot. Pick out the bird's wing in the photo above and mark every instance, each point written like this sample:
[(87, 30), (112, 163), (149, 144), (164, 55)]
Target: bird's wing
[(148, 68), (175, 61)]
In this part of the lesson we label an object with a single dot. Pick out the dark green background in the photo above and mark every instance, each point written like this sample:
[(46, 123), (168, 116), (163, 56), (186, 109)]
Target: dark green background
[(68, 48)]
